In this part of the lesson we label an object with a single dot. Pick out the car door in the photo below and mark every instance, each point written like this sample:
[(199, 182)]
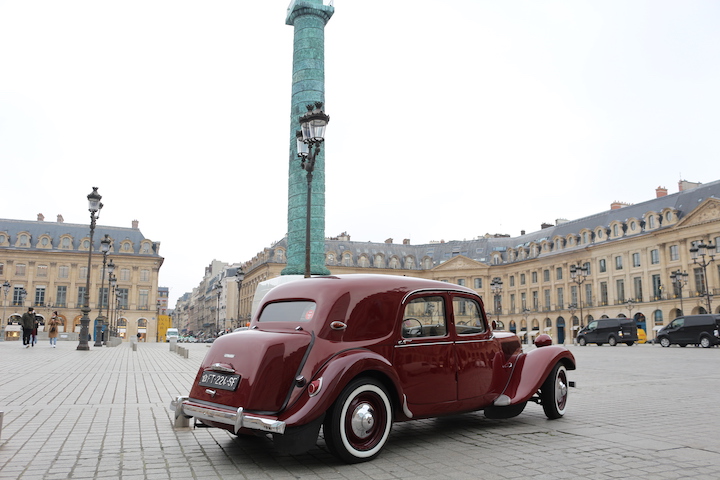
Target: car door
[(475, 348), (424, 357)]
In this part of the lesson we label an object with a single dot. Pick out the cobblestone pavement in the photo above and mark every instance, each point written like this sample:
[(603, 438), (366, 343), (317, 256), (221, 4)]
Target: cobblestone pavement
[(637, 412)]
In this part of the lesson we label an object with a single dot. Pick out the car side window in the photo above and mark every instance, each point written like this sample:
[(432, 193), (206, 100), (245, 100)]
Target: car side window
[(424, 317), (468, 316)]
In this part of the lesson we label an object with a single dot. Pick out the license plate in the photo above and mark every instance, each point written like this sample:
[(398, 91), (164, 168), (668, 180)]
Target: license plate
[(223, 381)]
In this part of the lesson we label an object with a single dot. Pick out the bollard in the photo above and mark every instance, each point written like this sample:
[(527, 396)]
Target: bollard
[(1, 420), (179, 420), (173, 344), (134, 346)]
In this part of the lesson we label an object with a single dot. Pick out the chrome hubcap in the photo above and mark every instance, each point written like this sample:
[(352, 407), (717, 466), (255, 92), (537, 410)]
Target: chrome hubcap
[(363, 420)]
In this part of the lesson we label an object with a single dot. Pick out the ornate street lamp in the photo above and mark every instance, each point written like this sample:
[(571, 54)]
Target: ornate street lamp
[(218, 288), (630, 305), (309, 139), (94, 207), (239, 277), (679, 280), (701, 249), (112, 281), (6, 290), (111, 291), (496, 288), (578, 275), (100, 320)]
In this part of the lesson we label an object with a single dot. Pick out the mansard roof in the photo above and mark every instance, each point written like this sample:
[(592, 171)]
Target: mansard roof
[(78, 232), (482, 249)]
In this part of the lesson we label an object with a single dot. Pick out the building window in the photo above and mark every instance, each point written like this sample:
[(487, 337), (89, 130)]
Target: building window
[(103, 296), (534, 277), (546, 275), (512, 303), (699, 281), (394, 263), (654, 256), (17, 295), (616, 230), (279, 256), (42, 271), (574, 295), (620, 290), (81, 296), (535, 300), (478, 283), (674, 252), (558, 273), (657, 287), (603, 293), (522, 279), (651, 221), (560, 297), (547, 298), (637, 284), (636, 259), (409, 262), (146, 248), (122, 297), (24, 239), (65, 242), (144, 275), (63, 271), (523, 300), (618, 263), (461, 282), (39, 296), (603, 265), (2, 269), (347, 260), (124, 274), (588, 294), (20, 269), (82, 273), (658, 317), (143, 299), (61, 296), (512, 280)]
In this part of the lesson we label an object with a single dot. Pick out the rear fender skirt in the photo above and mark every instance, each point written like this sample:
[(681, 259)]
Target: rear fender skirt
[(533, 368)]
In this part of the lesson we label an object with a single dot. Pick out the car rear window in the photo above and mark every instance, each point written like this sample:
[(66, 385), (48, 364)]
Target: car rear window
[(288, 312)]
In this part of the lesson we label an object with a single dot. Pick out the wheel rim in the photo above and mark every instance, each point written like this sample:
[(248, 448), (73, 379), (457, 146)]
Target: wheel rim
[(561, 389), (704, 342), (365, 421)]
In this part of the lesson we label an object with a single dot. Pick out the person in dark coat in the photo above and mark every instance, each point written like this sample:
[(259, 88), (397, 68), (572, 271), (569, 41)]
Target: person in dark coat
[(28, 323)]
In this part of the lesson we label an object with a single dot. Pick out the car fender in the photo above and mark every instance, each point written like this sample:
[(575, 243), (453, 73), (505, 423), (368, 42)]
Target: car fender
[(531, 370), (334, 375)]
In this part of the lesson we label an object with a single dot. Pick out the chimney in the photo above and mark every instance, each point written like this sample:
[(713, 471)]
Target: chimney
[(41, 217), (522, 232), (389, 240), (543, 226), (60, 218), (406, 241), (618, 205), (660, 192), (135, 224)]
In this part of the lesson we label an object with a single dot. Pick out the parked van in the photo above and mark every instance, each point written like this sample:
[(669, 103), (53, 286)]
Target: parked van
[(609, 330), (171, 333), (691, 330)]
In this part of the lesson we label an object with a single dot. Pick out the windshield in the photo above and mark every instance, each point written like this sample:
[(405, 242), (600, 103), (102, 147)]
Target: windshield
[(288, 312)]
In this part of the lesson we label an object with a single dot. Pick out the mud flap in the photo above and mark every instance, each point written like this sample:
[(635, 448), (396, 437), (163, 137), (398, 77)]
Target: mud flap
[(298, 440)]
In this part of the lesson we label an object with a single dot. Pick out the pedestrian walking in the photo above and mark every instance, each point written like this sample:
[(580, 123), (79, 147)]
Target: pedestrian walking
[(53, 329), (28, 323), (33, 334)]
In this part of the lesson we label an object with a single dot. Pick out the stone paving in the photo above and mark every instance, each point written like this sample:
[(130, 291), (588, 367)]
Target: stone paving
[(637, 412)]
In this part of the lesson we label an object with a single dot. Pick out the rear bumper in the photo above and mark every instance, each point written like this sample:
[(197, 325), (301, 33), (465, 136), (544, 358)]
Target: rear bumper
[(212, 412)]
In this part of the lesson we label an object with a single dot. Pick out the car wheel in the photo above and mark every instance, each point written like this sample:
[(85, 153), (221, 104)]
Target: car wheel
[(510, 411), (599, 344), (554, 392), (582, 342), (629, 344), (612, 342), (665, 342), (358, 424), (705, 342), (683, 344)]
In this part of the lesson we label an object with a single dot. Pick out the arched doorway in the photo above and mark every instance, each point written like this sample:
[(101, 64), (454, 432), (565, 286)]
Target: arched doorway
[(142, 330), (561, 330)]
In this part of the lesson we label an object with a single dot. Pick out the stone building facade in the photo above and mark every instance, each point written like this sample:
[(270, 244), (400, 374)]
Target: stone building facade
[(629, 253), (49, 262)]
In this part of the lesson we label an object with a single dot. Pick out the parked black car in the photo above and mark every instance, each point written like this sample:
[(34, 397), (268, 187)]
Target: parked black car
[(691, 330), (609, 330)]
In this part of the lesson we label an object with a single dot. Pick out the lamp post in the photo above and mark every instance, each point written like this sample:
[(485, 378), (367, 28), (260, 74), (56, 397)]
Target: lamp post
[(311, 134), (112, 281), (578, 275), (496, 288), (218, 288), (6, 290), (239, 277), (701, 249), (111, 291), (94, 206), (630, 305), (104, 248), (679, 280)]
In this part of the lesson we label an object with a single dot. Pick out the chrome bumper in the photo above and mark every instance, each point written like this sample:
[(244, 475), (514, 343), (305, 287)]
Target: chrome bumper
[(186, 407)]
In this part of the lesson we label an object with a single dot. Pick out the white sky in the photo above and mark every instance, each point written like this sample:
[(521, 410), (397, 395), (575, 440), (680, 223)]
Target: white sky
[(450, 119)]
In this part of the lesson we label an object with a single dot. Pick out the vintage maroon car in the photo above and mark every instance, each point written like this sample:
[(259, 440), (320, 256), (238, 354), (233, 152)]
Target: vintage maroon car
[(355, 353)]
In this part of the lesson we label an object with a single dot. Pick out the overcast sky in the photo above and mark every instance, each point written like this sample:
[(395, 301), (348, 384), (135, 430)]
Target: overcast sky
[(449, 119)]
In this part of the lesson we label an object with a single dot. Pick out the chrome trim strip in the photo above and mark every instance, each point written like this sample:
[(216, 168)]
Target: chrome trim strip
[(475, 341), (421, 344), (220, 414)]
